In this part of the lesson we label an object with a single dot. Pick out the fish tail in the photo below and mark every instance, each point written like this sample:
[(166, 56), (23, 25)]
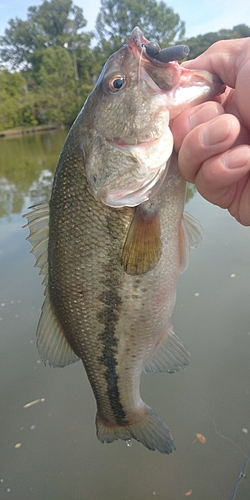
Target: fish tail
[(149, 430)]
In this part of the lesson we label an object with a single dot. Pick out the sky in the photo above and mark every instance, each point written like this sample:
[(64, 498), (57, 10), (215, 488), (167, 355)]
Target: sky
[(200, 16)]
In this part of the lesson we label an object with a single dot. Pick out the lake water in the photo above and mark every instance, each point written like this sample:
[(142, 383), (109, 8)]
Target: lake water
[(49, 450)]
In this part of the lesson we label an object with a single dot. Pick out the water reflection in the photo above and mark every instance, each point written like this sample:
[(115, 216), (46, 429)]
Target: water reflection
[(27, 165), (48, 448)]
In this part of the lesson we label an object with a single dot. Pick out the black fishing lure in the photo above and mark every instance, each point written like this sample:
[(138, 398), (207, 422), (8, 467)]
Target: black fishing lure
[(176, 53)]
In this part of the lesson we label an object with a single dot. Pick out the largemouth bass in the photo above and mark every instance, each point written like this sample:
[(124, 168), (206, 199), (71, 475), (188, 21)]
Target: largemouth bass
[(113, 238)]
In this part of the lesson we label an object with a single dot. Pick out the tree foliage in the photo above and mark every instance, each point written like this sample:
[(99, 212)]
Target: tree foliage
[(200, 43), (57, 72), (53, 53), (117, 18), (53, 61), (14, 108), (48, 25)]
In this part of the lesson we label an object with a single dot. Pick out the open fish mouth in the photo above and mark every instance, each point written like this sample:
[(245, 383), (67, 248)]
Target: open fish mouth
[(151, 52), (164, 72)]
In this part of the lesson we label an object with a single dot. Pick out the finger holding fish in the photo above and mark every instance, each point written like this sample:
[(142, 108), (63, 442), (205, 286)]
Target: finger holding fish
[(209, 139), (191, 117), (211, 165), (229, 60), (223, 178)]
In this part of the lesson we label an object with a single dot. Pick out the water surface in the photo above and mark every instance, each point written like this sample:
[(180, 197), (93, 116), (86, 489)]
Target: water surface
[(49, 450)]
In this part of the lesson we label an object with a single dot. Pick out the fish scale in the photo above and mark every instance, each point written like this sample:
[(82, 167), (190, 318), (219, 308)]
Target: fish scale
[(97, 274), (113, 239)]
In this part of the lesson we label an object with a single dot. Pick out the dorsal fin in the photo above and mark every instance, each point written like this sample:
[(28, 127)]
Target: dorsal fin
[(51, 341), (38, 225), (142, 248)]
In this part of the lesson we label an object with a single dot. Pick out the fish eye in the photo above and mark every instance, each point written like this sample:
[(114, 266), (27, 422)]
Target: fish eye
[(116, 83)]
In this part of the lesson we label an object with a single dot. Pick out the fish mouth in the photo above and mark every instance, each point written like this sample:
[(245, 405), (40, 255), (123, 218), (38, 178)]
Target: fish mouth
[(138, 44), (164, 74), (161, 71)]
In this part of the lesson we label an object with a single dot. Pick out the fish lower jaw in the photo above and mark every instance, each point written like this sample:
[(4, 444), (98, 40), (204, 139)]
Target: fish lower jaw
[(139, 141)]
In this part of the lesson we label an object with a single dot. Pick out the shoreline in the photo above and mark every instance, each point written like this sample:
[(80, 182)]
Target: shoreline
[(28, 130)]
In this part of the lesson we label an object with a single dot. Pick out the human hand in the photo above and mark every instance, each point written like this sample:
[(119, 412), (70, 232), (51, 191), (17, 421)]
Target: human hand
[(213, 139)]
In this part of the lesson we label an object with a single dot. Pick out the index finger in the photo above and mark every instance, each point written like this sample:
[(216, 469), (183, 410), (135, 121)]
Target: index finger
[(223, 58)]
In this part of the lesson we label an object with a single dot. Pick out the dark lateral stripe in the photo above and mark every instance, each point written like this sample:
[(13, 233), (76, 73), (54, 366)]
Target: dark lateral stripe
[(109, 317), (109, 314)]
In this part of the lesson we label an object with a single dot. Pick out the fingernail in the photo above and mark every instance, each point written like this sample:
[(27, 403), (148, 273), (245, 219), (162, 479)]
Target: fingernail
[(215, 133), (237, 158), (203, 114)]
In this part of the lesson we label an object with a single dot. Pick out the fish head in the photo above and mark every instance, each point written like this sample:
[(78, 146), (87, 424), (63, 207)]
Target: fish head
[(126, 138)]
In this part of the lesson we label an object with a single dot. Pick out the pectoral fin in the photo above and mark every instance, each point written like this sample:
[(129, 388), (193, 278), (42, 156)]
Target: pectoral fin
[(190, 236), (194, 230), (142, 248)]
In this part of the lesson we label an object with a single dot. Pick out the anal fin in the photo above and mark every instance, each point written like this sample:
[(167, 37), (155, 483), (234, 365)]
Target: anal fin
[(169, 356), (190, 236)]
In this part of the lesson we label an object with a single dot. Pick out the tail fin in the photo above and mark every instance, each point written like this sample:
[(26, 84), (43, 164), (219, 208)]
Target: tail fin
[(150, 430)]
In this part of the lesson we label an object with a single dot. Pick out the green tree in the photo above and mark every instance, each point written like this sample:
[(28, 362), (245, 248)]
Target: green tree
[(201, 43), (51, 48), (13, 92), (117, 18), (50, 24), (56, 100)]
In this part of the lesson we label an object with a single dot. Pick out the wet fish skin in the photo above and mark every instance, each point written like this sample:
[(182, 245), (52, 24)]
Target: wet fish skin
[(110, 295)]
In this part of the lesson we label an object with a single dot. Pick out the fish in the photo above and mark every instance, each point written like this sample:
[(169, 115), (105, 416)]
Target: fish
[(113, 238)]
